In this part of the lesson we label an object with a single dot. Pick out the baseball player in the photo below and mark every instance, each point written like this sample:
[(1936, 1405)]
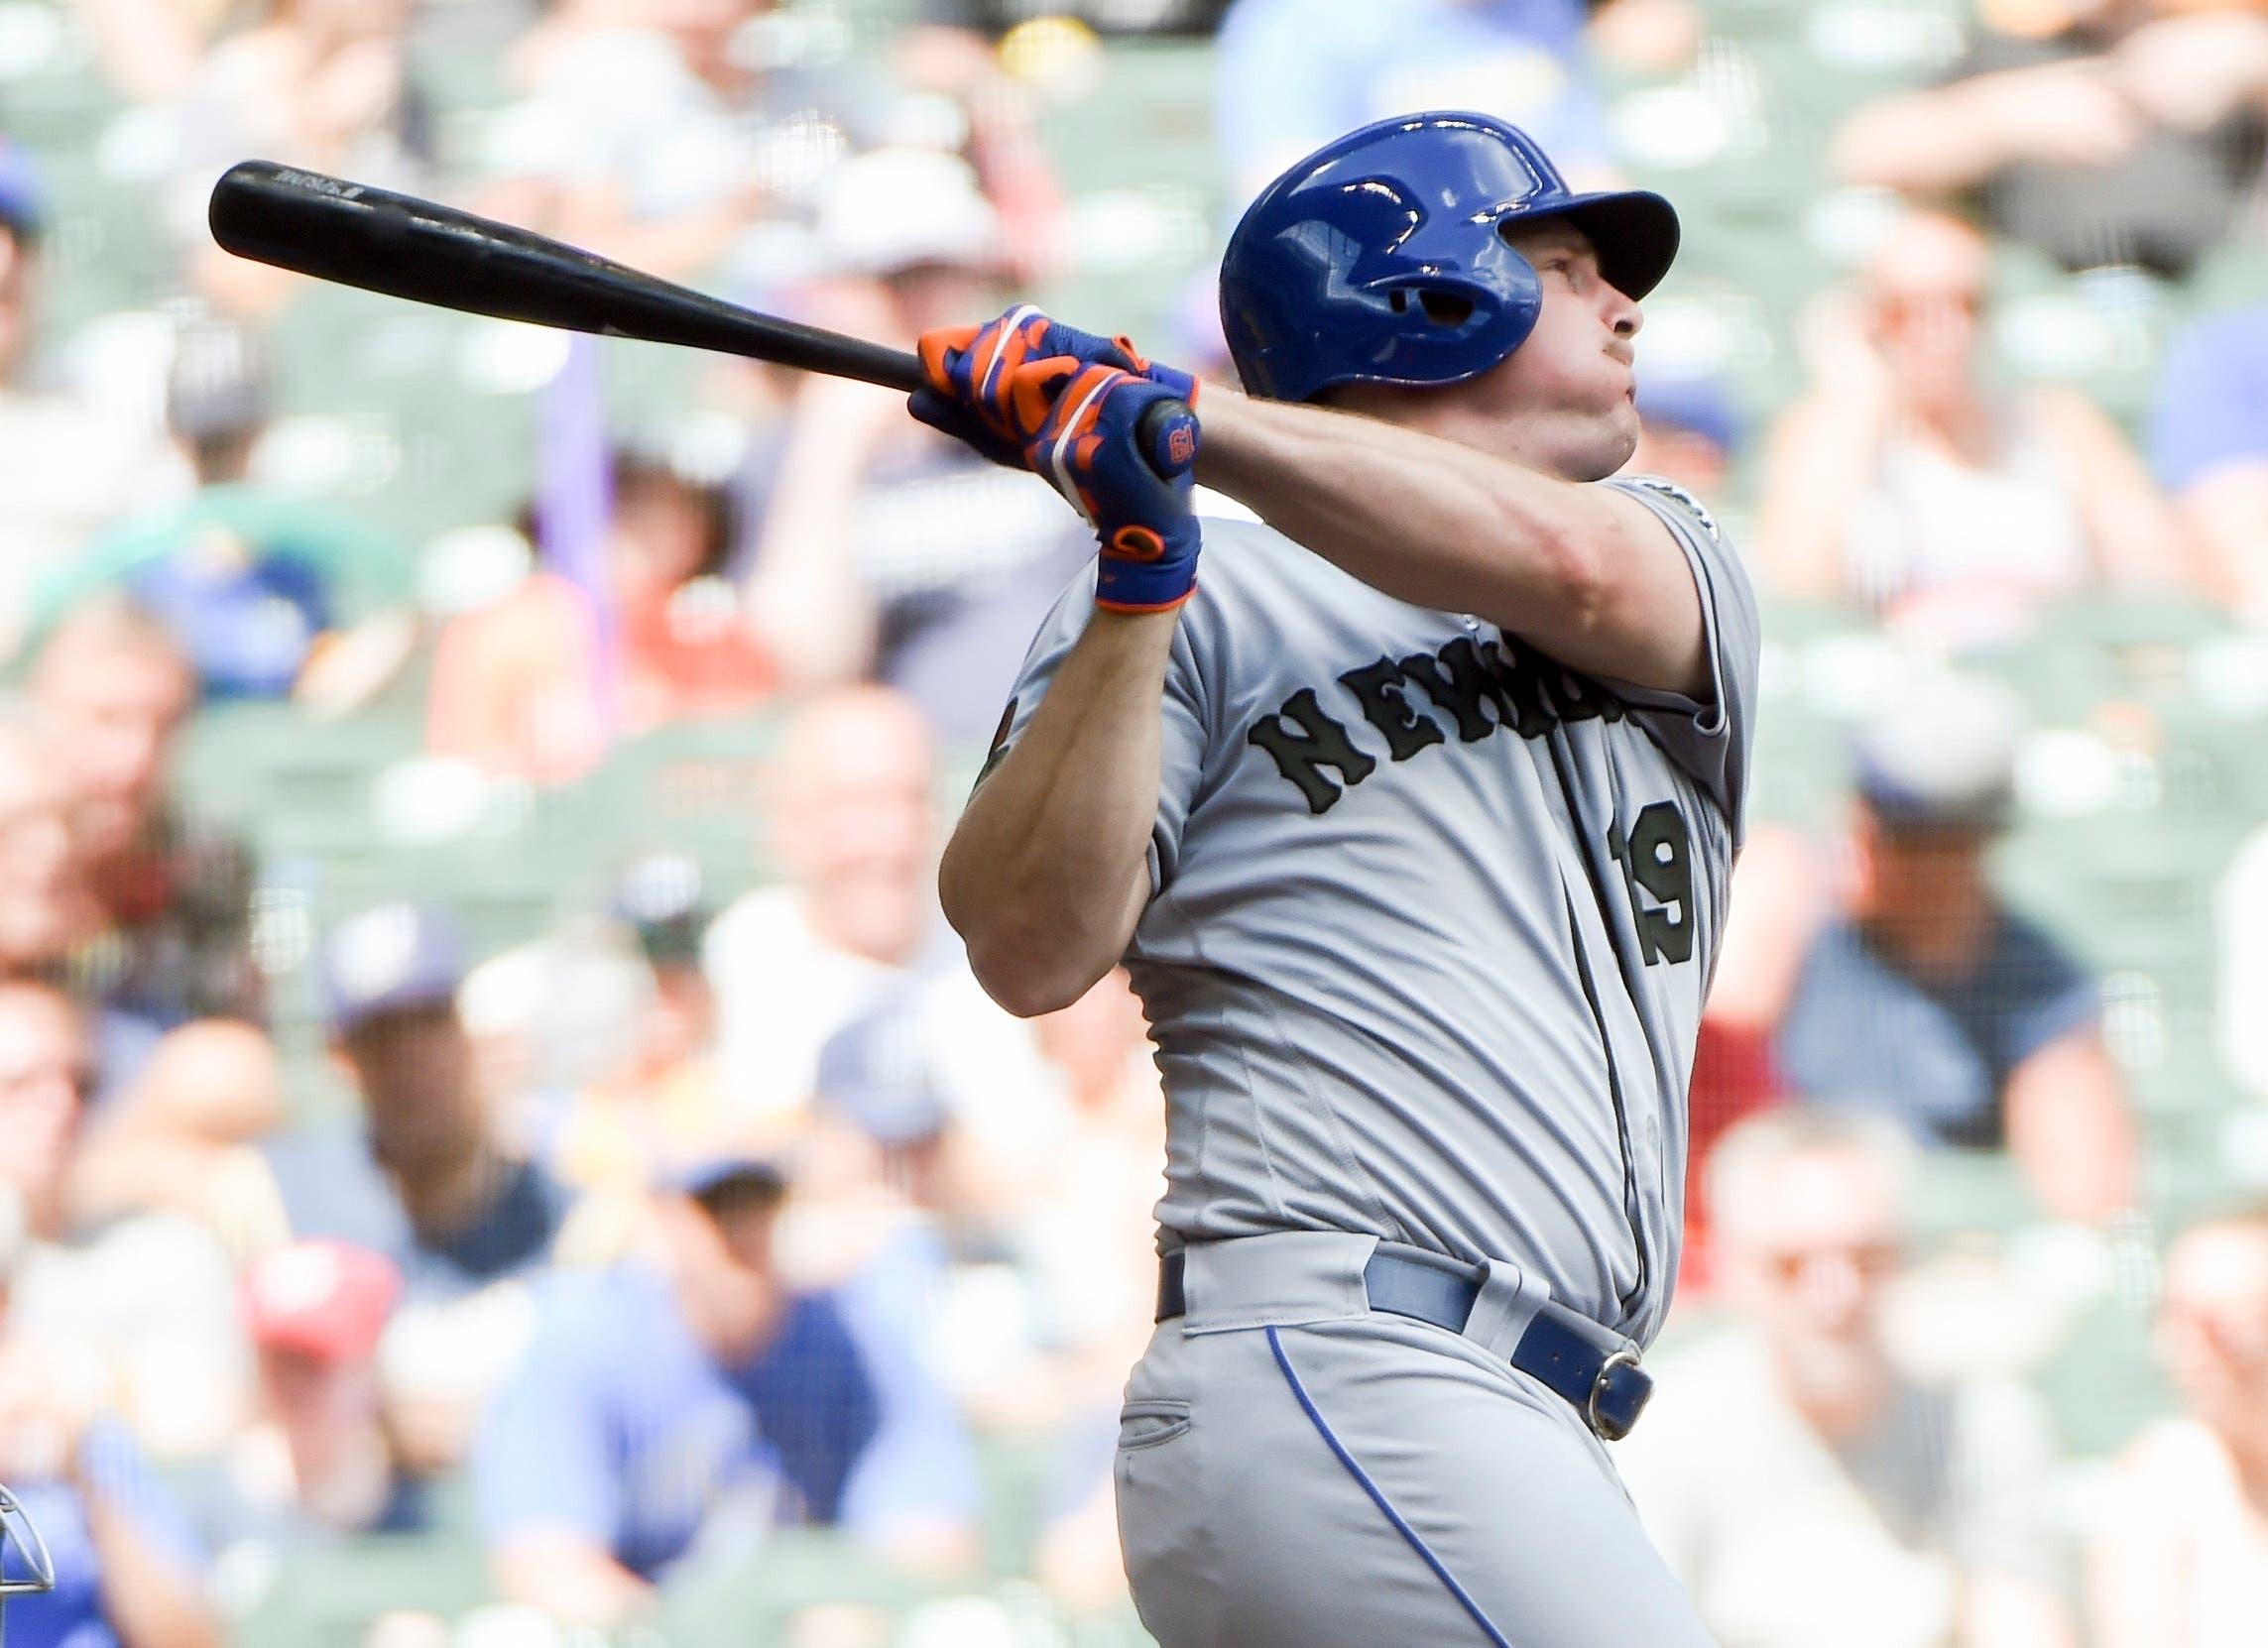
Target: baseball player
[(1411, 811)]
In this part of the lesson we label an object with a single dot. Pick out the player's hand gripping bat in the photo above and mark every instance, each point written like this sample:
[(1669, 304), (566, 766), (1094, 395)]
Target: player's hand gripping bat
[(403, 247)]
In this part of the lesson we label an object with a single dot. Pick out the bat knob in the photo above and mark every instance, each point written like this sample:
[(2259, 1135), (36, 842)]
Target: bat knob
[(1167, 436)]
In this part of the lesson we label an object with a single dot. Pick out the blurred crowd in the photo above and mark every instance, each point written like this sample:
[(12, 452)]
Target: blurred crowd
[(719, 1220)]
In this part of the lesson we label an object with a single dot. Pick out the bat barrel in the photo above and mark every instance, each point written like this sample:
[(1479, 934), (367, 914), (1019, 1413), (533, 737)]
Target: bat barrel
[(360, 236)]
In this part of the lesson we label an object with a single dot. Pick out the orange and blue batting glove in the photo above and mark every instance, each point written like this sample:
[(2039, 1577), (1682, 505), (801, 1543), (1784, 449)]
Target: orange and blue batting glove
[(971, 371), (1100, 438)]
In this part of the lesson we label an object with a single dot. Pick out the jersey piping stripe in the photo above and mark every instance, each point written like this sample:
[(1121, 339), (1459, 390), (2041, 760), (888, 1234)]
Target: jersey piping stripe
[(1378, 1498), (1631, 1205)]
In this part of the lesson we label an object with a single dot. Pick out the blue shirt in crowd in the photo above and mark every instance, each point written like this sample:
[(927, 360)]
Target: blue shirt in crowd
[(619, 1425), (332, 1188), (2213, 398), (1936, 1054), (72, 1615)]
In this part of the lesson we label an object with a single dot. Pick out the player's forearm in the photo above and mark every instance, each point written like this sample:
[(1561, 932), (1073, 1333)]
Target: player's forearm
[(1582, 573), (1048, 870)]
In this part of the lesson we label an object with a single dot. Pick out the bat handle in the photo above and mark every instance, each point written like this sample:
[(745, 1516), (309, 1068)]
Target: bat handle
[(1166, 433)]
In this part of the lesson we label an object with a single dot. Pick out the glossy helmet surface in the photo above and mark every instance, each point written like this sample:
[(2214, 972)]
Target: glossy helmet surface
[(1382, 257)]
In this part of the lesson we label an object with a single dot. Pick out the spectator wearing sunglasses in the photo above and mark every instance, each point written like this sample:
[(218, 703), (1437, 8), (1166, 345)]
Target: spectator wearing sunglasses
[(1909, 481), (1805, 1484), (2182, 1560)]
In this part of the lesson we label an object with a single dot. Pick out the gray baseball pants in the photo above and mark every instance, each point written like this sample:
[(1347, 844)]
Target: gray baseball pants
[(1296, 1471)]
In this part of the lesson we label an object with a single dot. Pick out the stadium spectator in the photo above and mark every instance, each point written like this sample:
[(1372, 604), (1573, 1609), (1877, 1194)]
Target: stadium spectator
[(325, 84), (186, 1136), (425, 1178), (888, 552), (517, 686), (663, 1102), (153, 1292), (317, 1464), (1906, 481), (2208, 441), (2098, 130), (175, 891), (270, 594), (1802, 1484), (664, 134), (666, 1416), (853, 828), (1918, 992), (2182, 1558), (1291, 74), (128, 1570), (947, 52), (46, 908), (67, 465)]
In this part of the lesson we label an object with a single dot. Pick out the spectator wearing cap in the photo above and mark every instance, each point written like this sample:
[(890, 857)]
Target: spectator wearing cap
[(426, 1180), (517, 684), (151, 1290), (2208, 441), (317, 1464), (1805, 1484), (670, 1413), (128, 1570), (67, 465), (887, 552), (2181, 1559), (174, 891), (270, 594), (1925, 996)]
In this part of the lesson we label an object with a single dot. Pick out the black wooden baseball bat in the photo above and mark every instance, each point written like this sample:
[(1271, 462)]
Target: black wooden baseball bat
[(403, 247)]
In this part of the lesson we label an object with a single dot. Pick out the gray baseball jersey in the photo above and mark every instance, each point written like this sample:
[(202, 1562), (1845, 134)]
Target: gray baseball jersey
[(1432, 919)]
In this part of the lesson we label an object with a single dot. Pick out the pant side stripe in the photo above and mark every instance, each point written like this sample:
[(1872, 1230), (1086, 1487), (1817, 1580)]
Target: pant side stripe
[(1378, 1498)]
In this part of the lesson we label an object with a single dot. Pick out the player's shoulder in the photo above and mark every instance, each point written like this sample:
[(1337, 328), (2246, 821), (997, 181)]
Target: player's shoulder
[(1665, 497)]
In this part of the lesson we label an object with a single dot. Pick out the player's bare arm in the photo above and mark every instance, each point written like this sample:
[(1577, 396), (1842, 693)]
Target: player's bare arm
[(1048, 872), (1584, 573)]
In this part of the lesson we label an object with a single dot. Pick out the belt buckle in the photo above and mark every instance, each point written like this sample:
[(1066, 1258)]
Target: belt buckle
[(1611, 1427)]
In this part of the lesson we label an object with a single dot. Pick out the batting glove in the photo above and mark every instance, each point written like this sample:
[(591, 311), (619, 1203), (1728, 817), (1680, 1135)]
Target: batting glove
[(1127, 475), (972, 370)]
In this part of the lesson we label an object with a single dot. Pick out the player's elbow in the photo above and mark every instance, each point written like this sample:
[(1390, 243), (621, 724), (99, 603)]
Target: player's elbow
[(1031, 973), (1576, 579)]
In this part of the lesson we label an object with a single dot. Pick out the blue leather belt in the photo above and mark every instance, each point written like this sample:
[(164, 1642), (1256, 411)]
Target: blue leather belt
[(1593, 1367)]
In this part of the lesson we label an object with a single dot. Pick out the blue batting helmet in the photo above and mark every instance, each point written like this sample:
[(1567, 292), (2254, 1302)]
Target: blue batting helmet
[(1382, 258)]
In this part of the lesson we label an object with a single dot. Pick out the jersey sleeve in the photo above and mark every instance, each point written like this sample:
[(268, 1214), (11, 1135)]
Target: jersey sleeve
[(1708, 741), (1183, 709)]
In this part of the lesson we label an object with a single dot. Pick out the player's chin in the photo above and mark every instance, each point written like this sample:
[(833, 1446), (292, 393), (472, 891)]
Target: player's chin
[(1609, 439)]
